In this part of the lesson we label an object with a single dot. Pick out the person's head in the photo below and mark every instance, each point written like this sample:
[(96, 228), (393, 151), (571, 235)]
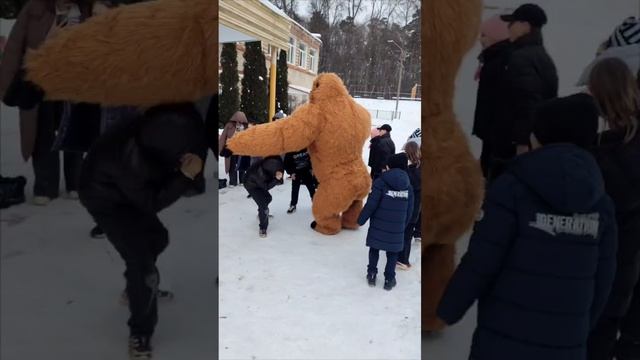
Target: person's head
[(572, 119), (492, 31), (412, 149), (384, 129), (168, 132), (615, 89), (237, 119), (398, 161), (625, 34), (526, 19)]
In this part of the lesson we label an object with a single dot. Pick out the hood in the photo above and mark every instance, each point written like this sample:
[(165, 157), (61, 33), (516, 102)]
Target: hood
[(167, 132), (272, 164), (396, 179), (565, 176), (239, 117), (380, 137)]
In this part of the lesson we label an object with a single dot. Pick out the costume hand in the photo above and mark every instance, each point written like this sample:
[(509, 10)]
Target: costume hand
[(522, 149), (191, 165)]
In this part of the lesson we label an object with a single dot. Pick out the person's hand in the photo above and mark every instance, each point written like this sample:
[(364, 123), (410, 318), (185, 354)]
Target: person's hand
[(522, 149), (293, 176), (191, 165)]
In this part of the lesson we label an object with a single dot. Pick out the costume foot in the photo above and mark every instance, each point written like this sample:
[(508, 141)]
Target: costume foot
[(324, 230), (348, 226)]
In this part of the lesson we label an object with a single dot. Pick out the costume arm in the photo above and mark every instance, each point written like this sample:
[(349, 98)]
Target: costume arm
[(14, 50), (606, 268), (293, 133), (484, 258), (372, 202)]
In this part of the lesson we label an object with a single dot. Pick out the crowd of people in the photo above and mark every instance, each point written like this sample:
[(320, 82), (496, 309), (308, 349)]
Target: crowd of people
[(124, 164), (554, 258), (393, 207)]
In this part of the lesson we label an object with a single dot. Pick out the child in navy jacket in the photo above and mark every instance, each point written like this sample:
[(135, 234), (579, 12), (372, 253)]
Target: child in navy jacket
[(389, 207)]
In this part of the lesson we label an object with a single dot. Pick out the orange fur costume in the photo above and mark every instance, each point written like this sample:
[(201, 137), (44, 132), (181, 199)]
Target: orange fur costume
[(334, 128), (145, 54), (452, 179)]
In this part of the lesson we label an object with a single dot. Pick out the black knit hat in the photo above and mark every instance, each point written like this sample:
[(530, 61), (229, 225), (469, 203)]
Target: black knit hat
[(572, 119), (398, 161)]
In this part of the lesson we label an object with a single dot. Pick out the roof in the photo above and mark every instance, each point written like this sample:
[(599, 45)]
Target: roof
[(277, 10)]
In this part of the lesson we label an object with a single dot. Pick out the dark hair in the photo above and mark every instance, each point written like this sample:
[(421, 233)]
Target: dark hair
[(413, 152), (617, 95)]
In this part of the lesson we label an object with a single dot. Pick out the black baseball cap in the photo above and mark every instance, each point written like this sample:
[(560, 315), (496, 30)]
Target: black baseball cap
[(386, 127), (531, 13)]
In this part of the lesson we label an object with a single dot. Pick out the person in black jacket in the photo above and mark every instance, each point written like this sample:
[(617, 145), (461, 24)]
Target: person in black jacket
[(614, 87), (412, 149), (531, 77), (541, 260), (261, 177), (491, 78), (382, 147), (129, 175), (298, 165), (389, 209)]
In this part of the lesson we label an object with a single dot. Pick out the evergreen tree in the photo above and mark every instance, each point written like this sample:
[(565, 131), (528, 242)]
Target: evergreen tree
[(229, 100), (9, 9), (254, 101), (282, 83)]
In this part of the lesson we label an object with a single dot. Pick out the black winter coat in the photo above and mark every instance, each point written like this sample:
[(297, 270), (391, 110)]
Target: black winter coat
[(490, 96), (382, 147), (620, 165), (262, 174), (541, 260), (388, 209), (531, 77), (137, 164), (297, 162)]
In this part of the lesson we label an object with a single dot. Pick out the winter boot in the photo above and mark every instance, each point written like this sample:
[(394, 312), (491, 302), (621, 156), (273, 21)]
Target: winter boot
[(139, 347), (389, 283), (628, 349), (292, 209), (371, 279), (263, 233)]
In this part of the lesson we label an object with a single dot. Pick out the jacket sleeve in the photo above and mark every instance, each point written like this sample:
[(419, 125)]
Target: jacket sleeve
[(606, 268), (373, 155), (150, 200), (485, 256), (412, 202), (14, 49), (526, 90), (373, 201), (293, 133)]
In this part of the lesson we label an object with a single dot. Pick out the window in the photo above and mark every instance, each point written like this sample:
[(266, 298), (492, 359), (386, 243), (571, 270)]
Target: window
[(302, 55), (312, 60), (266, 48), (291, 54)]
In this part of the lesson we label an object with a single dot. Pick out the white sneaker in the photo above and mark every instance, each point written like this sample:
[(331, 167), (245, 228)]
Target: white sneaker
[(41, 200)]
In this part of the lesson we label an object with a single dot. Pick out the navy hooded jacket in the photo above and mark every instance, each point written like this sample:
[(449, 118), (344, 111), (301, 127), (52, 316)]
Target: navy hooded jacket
[(389, 208), (541, 260)]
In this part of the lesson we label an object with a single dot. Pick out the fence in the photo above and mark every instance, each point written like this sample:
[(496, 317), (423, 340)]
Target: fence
[(386, 115)]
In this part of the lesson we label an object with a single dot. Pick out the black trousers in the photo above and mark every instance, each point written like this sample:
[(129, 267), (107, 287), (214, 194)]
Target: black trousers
[(403, 256), (498, 160), (46, 163), (236, 175), (390, 268), (622, 312), (262, 199), (485, 158), (139, 239), (417, 229), (302, 178)]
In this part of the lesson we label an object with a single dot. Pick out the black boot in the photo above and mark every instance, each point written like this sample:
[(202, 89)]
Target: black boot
[(628, 349), (389, 283), (292, 209), (371, 279), (139, 347)]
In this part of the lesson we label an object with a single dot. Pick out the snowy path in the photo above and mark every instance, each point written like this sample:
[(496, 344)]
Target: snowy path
[(574, 32), (301, 295), (60, 288)]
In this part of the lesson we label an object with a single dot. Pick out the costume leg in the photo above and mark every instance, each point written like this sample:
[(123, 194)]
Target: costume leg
[(350, 217), (327, 207), (438, 264)]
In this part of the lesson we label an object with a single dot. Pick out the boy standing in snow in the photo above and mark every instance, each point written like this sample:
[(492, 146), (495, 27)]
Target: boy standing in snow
[(389, 208), (541, 260), (298, 165), (262, 177)]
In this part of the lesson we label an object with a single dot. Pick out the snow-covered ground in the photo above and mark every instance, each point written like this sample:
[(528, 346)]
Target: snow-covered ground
[(301, 295), (60, 288), (575, 30)]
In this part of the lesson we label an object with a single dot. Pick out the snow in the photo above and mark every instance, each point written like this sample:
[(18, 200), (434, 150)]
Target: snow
[(300, 295), (60, 289), (574, 32)]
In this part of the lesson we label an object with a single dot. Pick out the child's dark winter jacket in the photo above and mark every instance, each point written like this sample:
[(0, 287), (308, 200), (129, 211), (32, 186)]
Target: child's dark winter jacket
[(297, 162), (541, 260), (620, 165), (262, 174), (137, 164), (389, 209)]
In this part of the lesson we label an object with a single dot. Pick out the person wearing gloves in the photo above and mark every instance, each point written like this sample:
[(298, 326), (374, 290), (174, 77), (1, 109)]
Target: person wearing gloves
[(262, 177)]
